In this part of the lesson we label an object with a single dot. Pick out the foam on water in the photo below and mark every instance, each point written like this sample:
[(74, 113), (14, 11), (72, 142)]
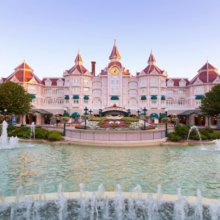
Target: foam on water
[(100, 205)]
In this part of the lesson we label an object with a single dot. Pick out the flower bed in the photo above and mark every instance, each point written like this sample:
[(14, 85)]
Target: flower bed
[(114, 124)]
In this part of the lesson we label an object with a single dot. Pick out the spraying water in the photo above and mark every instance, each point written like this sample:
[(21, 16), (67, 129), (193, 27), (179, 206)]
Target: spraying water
[(100, 205), (194, 128), (6, 143), (32, 135)]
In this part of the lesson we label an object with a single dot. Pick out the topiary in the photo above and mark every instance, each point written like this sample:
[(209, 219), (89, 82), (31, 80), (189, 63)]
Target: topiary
[(174, 137), (54, 136)]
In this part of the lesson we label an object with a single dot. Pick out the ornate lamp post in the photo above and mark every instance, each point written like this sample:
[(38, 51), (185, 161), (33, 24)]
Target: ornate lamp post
[(90, 111), (166, 128), (144, 113), (218, 121), (100, 112), (129, 112), (5, 111), (85, 114), (64, 122)]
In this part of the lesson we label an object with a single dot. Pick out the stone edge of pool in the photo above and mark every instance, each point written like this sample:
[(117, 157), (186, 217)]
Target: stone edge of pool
[(158, 142), (109, 195)]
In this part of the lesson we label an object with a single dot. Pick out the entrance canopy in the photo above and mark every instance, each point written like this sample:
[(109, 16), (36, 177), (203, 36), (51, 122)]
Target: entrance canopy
[(75, 115), (114, 110), (41, 111), (153, 115), (191, 112)]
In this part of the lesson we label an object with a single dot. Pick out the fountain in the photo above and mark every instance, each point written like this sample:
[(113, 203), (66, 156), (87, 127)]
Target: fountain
[(108, 205), (194, 128), (32, 135), (6, 143)]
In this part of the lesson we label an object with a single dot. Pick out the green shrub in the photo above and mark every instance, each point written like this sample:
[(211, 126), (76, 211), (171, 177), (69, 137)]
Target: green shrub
[(213, 136), (94, 118), (217, 133), (23, 132), (12, 130), (174, 137), (54, 136), (182, 130), (130, 119), (41, 133)]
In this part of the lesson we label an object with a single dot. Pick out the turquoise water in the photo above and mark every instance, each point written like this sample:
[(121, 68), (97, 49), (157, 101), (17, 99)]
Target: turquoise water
[(32, 166)]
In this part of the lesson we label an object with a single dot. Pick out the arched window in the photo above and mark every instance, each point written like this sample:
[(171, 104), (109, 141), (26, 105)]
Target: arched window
[(169, 101), (181, 101)]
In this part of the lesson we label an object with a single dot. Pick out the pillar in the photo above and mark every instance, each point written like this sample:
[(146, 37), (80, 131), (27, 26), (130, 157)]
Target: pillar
[(24, 119), (38, 119)]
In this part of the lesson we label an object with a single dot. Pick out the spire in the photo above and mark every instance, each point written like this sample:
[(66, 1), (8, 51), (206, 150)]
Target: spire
[(115, 55), (78, 59), (151, 59)]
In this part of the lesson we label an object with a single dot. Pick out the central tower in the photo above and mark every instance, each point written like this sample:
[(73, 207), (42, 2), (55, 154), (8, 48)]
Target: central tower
[(115, 71)]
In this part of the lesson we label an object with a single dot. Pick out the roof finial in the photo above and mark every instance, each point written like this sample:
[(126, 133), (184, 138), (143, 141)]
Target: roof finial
[(115, 42)]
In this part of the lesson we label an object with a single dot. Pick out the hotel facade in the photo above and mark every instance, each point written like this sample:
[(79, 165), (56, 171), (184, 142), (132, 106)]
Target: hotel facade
[(115, 85)]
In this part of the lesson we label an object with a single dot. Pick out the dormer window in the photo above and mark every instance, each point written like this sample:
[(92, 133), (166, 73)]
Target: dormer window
[(170, 83), (48, 82), (182, 83), (60, 82)]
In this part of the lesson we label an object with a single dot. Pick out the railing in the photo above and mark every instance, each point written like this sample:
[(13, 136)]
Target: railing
[(112, 135)]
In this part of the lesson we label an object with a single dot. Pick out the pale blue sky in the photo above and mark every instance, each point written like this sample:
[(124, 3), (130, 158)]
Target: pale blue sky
[(183, 34)]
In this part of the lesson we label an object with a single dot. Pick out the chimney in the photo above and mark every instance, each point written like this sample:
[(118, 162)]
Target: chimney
[(93, 67)]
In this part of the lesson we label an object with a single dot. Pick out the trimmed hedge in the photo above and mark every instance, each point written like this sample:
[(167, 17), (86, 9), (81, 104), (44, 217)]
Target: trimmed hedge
[(181, 133), (174, 137), (40, 133), (54, 136)]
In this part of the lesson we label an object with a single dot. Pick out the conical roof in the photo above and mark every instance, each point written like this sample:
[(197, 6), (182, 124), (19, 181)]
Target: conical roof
[(115, 55)]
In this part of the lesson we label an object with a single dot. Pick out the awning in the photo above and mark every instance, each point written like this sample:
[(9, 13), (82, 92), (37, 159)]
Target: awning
[(33, 96), (75, 115), (76, 97), (143, 97), (86, 97), (41, 111), (153, 97), (153, 115), (163, 115), (163, 97), (65, 114), (199, 97), (190, 112), (114, 98), (67, 97)]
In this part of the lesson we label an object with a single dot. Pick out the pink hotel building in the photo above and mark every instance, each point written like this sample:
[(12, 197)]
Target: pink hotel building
[(115, 85)]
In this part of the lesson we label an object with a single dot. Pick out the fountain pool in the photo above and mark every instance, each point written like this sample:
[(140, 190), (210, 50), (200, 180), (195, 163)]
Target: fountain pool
[(46, 166)]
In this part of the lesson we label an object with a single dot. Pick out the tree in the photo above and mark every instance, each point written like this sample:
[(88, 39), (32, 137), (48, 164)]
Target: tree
[(14, 98), (210, 105)]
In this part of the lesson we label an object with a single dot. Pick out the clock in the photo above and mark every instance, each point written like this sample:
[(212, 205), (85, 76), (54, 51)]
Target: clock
[(114, 70)]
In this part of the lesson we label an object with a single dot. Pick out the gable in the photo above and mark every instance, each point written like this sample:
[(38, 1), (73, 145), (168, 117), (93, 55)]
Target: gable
[(197, 81), (48, 82), (33, 80), (14, 79), (170, 83)]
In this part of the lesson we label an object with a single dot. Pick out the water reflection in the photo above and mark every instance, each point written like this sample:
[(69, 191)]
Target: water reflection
[(171, 167)]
